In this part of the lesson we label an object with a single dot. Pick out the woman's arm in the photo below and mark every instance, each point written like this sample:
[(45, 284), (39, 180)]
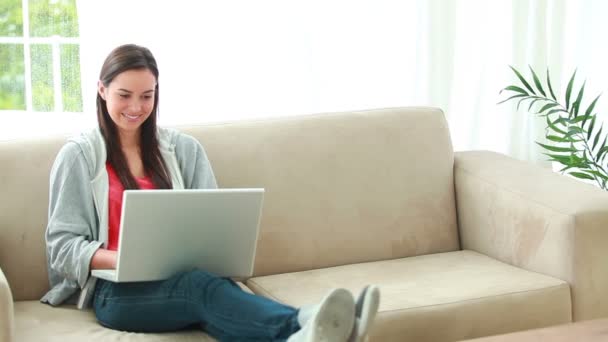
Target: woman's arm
[(103, 259), (194, 165), (71, 235)]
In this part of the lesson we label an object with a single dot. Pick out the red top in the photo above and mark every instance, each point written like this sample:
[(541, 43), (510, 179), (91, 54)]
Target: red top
[(115, 203)]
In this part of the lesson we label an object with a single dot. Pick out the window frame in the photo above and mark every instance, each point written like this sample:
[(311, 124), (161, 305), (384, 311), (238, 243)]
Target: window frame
[(55, 41)]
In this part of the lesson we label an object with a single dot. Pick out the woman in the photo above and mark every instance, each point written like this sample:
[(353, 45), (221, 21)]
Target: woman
[(129, 151)]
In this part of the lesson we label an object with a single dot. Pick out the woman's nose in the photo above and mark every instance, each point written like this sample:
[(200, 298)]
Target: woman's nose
[(135, 106)]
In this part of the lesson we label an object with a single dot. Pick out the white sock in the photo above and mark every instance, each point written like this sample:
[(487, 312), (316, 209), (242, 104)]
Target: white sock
[(306, 312), (330, 321), (366, 309)]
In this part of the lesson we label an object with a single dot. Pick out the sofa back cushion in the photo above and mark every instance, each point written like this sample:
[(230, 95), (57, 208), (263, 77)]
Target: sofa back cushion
[(24, 199), (342, 188)]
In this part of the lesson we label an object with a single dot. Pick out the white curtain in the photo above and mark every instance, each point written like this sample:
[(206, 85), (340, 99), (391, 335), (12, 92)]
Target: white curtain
[(231, 60)]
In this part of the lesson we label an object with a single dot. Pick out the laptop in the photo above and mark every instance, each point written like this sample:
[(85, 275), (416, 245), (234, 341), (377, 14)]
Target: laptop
[(164, 232)]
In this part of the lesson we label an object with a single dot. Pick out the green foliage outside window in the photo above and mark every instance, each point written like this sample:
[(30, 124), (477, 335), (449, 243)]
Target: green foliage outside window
[(12, 77), (70, 78), (46, 18), (42, 77), (11, 18), (49, 18)]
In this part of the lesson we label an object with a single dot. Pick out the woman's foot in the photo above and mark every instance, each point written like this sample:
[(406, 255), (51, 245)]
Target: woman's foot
[(366, 309), (331, 321)]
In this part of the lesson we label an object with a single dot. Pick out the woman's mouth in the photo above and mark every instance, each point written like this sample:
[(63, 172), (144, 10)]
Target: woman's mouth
[(131, 117)]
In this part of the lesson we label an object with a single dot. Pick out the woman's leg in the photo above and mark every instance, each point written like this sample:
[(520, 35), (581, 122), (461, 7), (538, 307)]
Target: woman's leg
[(197, 297), (230, 313)]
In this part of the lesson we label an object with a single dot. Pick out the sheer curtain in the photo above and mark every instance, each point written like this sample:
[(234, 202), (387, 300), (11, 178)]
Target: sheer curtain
[(231, 60)]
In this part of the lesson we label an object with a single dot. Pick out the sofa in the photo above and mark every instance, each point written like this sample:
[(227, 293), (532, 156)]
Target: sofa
[(462, 245)]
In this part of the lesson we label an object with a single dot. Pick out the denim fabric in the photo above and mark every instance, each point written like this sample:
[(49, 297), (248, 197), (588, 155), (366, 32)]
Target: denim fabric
[(198, 298)]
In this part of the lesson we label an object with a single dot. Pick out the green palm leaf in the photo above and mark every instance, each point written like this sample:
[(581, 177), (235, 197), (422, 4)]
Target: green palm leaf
[(579, 98), (597, 138), (603, 143), (601, 153), (557, 148), (537, 82), (547, 106), (581, 175), (533, 102), (592, 105), (564, 160), (515, 89), (554, 127), (581, 118), (522, 100), (590, 109), (569, 90), (512, 97), (557, 111), (549, 86), (523, 80), (590, 129), (556, 138)]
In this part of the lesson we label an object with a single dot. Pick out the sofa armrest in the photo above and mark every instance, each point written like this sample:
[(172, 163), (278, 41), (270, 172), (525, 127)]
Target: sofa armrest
[(538, 220), (6, 310)]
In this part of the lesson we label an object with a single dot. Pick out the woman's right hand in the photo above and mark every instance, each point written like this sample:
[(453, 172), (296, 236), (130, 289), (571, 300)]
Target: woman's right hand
[(103, 259)]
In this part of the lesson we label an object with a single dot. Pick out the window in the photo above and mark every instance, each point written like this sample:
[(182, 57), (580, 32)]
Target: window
[(39, 56)]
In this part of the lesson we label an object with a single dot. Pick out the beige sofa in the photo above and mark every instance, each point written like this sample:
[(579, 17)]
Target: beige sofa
[(462, 245)]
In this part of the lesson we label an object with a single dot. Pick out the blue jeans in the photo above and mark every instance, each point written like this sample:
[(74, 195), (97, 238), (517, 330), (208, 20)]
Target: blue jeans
[(197, 298)]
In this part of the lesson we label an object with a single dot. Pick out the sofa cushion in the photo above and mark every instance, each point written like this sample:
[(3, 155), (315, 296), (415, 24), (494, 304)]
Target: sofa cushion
[(438, 297), (40, 322), (24, 205), (342, 188)]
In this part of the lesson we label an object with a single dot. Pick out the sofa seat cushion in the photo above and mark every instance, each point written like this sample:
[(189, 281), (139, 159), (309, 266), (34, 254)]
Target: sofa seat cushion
[(35, 321), (438, 297), (40, 322)]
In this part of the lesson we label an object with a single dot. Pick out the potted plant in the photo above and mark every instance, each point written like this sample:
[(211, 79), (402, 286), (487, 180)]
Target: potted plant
[(575, 139)]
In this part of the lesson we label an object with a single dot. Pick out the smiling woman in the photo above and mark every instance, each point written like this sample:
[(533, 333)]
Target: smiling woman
[(129, 99)]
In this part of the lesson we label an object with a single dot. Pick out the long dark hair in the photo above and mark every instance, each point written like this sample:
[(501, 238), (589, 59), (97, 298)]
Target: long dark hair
[(123, 58)]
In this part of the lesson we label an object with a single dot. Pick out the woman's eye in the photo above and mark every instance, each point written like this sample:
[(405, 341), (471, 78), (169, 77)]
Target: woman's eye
[(147, 97), (124, 96)]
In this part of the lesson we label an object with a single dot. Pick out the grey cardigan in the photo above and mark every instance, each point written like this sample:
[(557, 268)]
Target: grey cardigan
[(78, 213)]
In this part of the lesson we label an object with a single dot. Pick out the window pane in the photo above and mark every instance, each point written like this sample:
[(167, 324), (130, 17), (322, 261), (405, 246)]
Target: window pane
[(70, 78), (42, 77), (53, 17), (11, 18), (12, 77)]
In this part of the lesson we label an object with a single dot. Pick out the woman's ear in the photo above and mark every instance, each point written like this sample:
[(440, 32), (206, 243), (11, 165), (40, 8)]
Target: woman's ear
[(101, 89)]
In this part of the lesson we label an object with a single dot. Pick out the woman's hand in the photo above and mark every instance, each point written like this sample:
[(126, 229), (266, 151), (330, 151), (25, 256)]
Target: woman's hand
[(103, 259)]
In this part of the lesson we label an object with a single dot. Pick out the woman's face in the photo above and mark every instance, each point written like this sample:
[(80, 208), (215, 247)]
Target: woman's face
[(129, 98)]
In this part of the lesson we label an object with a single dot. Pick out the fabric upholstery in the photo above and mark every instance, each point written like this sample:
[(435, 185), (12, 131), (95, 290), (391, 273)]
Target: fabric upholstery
[(6, 310), (342, 188), (587, 331), (24, 181), (34, 319), (437, 297), (538, 220), (37, 322)]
